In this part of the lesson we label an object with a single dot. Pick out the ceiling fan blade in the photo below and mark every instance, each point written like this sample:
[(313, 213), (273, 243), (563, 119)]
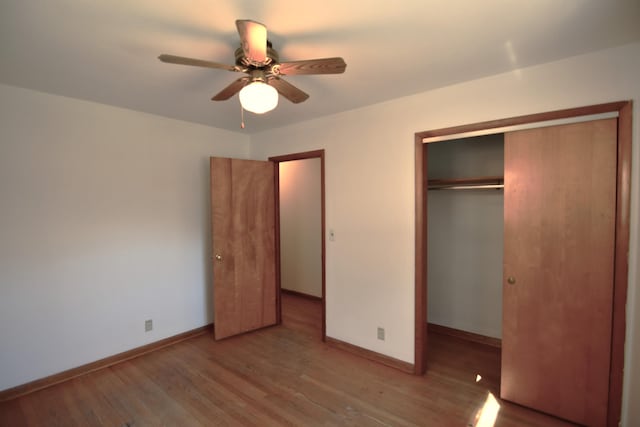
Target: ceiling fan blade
[(231, 90), (172, 59), (312, 66), (288, 90), (253, 36)]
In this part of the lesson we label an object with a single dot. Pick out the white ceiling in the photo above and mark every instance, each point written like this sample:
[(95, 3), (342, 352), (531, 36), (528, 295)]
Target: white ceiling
[(106, 50)]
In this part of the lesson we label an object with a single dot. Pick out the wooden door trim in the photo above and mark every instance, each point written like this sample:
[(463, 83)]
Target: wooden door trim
[(621, 260), (420, 342), (523, 120), (621, 267), (276, 188), (319, 154)]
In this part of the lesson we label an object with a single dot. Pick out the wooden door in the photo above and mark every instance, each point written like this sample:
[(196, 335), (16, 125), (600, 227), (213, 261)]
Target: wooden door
[(243, 227), (559, 206)]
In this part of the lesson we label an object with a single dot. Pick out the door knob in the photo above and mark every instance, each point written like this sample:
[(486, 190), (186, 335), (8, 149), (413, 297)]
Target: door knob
[(511, 280), (218, 257)]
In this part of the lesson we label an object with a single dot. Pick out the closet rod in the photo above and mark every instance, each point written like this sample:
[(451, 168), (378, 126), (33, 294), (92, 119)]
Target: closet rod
[(468, 187)]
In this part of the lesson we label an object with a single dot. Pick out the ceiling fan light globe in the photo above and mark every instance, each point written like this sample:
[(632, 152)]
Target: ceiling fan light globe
[(258, 97)]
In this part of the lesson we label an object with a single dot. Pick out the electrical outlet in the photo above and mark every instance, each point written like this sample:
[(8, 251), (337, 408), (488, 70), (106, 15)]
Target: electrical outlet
[(381, 333), (148, 325)]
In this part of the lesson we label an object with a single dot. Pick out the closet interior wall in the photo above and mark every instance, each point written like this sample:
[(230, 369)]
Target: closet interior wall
[(465, 237)]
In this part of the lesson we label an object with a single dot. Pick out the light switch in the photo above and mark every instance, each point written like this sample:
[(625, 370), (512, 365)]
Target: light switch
[(332, 235)]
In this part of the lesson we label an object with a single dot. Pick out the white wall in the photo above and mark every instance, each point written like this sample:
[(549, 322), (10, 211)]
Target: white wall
[(465, 237), (301, 226), (104, 222), (369, 184)]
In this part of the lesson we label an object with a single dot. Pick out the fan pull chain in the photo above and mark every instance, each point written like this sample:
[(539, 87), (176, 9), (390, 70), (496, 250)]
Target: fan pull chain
[(241, 117)]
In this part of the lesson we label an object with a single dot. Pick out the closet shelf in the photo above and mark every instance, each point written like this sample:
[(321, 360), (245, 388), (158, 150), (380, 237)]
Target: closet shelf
[(479, 183)]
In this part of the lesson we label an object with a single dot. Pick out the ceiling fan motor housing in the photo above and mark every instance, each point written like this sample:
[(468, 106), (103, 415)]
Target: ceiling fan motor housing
[(243, 61)]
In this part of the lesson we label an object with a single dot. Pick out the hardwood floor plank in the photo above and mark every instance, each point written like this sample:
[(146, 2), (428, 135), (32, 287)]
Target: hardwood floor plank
[(11, 414), (92, 408), (279, 376), (124, 399), (49, 405), (246, 397), (207, 392)]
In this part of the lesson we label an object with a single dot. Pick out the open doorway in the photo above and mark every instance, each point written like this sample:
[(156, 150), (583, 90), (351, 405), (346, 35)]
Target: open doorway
[(300, 227)]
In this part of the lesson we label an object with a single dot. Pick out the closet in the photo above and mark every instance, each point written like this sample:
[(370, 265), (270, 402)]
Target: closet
[(561, 272), (465, 240)]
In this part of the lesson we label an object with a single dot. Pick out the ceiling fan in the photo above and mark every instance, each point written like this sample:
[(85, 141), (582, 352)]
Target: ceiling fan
[(260, 61)]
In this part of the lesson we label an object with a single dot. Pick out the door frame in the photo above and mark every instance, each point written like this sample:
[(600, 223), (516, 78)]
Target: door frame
[(621, 259), (316, 154)]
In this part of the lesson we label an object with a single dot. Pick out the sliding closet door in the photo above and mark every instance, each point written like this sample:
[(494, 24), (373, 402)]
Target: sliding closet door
[(559, 206)]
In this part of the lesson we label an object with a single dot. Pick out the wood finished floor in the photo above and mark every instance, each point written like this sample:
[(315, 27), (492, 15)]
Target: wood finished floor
[(282, 375)]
